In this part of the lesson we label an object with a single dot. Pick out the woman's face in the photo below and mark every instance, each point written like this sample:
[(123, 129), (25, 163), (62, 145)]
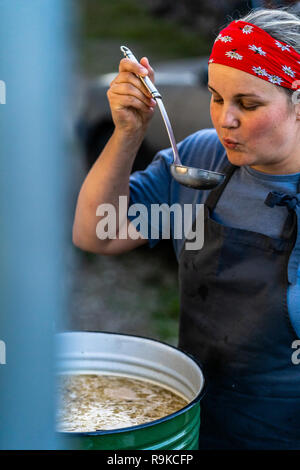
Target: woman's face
[(258, 116)]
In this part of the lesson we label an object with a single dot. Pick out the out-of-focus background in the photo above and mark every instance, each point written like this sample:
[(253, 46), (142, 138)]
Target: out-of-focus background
[(137, 292)]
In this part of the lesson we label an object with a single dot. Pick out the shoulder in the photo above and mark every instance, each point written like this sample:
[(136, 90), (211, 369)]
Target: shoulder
[(201, 149), (203, 136)]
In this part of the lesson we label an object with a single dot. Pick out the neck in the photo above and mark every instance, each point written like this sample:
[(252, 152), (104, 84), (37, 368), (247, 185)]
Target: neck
[(286, 166), (279, 169)]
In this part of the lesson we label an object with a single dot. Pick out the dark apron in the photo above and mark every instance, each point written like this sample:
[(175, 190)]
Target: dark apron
[(235, 321)]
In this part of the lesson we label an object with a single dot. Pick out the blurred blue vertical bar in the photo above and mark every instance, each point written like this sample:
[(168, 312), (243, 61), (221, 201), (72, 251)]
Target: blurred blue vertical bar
[(34, 65)]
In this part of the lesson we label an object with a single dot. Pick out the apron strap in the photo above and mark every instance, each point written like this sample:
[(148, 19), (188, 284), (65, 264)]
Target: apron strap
[(292, 225), (215, 194)]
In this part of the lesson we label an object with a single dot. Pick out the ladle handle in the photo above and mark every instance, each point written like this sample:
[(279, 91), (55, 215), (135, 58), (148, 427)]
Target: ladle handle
[(155, 94), (146, 80)]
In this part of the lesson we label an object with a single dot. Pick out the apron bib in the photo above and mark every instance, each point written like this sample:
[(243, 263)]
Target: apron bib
[(235, 321)]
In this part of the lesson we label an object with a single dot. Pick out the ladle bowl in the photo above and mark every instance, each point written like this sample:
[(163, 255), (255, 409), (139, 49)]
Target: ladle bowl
[(196, 177)]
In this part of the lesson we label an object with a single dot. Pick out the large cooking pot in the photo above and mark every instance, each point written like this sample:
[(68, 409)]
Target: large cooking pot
[(140, 358)]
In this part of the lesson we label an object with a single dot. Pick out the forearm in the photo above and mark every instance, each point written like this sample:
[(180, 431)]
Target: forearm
[(106, 181)]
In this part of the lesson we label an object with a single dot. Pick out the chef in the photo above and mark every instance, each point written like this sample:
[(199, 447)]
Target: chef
[(239, 293)]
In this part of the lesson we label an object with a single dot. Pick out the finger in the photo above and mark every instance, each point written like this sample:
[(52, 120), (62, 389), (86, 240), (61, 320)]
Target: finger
[(146, 64), (128, 77), (128, 101), (130, 90), (127, 65)]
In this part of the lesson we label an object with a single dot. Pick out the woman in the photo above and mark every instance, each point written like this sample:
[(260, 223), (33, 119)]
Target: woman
[(240, 294)]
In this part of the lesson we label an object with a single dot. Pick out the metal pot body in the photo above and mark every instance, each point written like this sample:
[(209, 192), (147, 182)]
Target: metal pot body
[(144, 359)]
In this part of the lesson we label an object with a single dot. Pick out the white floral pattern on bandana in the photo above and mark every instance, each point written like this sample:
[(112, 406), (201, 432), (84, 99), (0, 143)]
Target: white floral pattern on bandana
[(257, 50), (260, 71), (288, 71), (223, 38), (249, 48), (283, 47), (226, 38), (274, 79), (233, 55), (247, 29)]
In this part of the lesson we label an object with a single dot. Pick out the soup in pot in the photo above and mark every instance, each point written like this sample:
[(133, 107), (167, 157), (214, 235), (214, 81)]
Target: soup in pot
[(102, 402)]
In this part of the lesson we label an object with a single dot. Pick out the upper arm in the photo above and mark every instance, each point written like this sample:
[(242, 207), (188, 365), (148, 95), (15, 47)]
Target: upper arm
[(149, 189)]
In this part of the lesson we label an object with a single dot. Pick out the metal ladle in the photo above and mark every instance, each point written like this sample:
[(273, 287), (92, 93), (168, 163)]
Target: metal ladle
[(186, 175)]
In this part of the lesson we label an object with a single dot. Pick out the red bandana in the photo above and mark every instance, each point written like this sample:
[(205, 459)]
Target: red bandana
[(249, 48)]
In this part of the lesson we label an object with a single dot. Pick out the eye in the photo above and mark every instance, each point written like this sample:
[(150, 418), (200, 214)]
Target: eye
[(249, 107)]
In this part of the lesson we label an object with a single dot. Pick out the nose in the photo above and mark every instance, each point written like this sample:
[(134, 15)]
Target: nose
[(229, 118)]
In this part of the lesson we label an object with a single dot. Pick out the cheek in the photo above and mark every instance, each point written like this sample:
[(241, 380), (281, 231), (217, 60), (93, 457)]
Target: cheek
[(259, 127), (267, 125), (214, 113)]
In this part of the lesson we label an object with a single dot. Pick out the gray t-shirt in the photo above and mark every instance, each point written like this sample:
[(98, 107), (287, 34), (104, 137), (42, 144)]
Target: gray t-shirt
[(241, 204)]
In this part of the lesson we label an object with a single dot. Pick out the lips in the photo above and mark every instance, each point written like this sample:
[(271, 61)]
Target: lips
[(230, 141)]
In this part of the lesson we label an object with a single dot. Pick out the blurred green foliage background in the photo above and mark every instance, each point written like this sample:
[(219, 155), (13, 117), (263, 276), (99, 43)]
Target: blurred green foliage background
[(107, 24)]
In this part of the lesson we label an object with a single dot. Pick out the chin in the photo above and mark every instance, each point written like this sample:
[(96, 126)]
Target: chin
[(239, 158)]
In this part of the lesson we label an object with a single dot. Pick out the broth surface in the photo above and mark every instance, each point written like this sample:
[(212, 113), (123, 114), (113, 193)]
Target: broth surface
[(102, 402)]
